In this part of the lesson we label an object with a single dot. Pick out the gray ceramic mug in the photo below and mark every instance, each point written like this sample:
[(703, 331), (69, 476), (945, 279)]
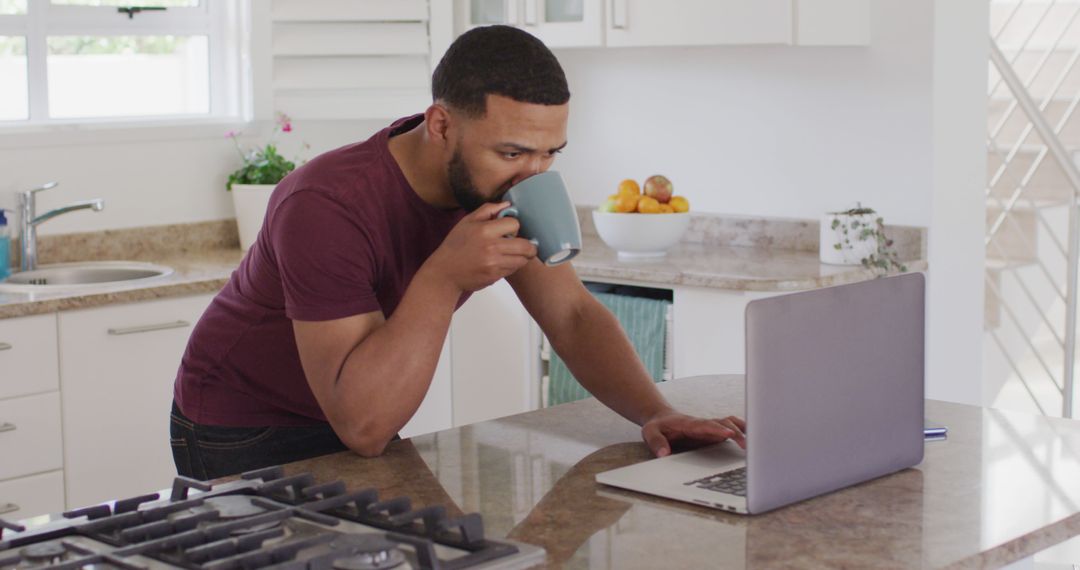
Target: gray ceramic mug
[(548, 218)]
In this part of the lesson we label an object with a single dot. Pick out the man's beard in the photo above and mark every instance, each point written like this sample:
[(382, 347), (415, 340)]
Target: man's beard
[(461, 184)]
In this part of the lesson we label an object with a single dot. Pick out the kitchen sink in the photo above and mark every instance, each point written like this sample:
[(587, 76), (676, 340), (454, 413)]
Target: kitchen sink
[(66, 276)]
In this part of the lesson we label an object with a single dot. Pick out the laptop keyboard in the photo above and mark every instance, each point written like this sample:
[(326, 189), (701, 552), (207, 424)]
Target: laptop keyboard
[(731, 482)]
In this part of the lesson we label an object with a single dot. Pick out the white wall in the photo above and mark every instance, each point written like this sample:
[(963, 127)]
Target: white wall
[(150, 181)]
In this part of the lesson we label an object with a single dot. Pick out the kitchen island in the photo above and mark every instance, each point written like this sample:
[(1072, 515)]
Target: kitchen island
[(1000, 488)]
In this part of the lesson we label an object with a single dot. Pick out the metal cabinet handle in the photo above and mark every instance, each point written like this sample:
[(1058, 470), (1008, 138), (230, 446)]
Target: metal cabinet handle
[(6, 427), (618, 14), (149, 328), (5, 346), (8, 508)]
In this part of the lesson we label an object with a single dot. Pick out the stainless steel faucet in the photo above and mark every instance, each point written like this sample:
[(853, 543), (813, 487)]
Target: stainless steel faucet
[(29, 221)]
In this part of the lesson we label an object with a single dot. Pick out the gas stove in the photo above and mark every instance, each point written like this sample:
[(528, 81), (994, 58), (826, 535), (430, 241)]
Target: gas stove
[(264, 520)]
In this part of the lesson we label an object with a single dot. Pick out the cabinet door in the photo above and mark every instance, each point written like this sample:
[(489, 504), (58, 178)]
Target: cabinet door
[(496, 356), (698, 22), (436, 411), (32, 496), (28, 355), (833, 23), (117, 366), (558, 23), (30, 440), (710, 330), (564, 23), (469, 14)]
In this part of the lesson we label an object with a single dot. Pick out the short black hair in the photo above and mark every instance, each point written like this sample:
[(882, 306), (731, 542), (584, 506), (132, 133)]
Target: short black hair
[(498, 60)]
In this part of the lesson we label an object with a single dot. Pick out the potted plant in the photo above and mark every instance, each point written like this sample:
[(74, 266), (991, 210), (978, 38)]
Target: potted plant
[(251, 185), (857, 237)]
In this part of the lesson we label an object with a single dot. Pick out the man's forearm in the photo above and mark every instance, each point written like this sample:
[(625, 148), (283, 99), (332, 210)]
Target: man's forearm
[(385, 377), (602, 358)]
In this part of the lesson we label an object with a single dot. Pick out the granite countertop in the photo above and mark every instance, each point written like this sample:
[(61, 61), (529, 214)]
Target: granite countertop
[(732, 253), (1001, 487), (193, 273), (736, 268)]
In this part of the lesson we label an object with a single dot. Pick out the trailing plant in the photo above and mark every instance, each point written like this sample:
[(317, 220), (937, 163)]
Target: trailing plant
[(884, 258)]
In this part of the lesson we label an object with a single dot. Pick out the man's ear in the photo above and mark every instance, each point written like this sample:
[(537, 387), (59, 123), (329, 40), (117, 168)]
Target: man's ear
[(438, 121)]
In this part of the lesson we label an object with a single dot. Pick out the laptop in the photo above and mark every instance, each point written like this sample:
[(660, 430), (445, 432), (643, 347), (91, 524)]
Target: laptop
[(834, 397)]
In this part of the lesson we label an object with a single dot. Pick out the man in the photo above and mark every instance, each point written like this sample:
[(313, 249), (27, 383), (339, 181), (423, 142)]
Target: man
[(328, 334)]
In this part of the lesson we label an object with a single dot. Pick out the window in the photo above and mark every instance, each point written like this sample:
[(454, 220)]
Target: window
[(64, 61)]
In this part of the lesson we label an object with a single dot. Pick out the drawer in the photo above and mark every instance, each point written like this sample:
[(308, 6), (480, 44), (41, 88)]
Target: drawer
[(28, 357), (30, 435), (31, 496), (119, 364)]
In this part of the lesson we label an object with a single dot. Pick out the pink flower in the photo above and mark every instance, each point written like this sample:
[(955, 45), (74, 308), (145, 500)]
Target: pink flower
[(232, 134), (287, 127)]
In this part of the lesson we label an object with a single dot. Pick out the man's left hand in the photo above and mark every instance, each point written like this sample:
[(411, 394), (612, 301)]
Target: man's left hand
[(671, 427)]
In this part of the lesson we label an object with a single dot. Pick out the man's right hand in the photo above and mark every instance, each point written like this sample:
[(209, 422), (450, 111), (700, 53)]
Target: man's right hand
[(478, 251)]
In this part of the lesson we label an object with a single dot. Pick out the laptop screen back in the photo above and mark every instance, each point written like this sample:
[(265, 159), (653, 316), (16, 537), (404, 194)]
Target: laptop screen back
[(834, 387)]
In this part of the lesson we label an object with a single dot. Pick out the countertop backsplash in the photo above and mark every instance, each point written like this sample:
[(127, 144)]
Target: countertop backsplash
[(129, 243), (771, 233)]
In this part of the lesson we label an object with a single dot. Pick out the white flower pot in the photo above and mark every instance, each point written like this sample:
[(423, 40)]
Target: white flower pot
[(852, 249), (250, 202)]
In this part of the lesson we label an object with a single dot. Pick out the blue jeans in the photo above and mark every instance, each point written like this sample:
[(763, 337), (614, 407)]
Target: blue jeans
[(209, 452)]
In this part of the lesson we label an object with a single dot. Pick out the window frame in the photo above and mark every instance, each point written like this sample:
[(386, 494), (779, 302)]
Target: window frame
[(224, 22)]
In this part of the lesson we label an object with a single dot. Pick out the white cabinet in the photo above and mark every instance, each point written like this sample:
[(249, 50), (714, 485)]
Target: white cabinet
[(564, 23), (30, 435), (710, 330), (117, 367), (559, 23), (495, 348), (645, 23), (698, 22), (31, 496), (436, 411), (31, 482), (832, 23), (28, 355)]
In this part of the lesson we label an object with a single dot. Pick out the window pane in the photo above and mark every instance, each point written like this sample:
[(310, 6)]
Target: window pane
[(128, 76), (12, 7), (166, 3), (14, 104)]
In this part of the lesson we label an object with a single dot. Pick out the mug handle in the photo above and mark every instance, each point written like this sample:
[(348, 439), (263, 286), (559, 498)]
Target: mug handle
[(512, 211)]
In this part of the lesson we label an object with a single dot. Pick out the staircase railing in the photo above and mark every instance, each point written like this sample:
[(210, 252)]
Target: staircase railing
[(1051, 146)]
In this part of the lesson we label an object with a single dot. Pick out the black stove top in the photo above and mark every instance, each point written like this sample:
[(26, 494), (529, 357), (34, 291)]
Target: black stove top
[(263, 520)]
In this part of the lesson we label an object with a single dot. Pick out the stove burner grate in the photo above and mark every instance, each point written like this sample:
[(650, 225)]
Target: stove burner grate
[(266, 520)]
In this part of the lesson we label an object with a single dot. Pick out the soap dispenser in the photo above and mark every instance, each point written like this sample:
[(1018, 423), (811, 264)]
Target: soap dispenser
[(5, 245)]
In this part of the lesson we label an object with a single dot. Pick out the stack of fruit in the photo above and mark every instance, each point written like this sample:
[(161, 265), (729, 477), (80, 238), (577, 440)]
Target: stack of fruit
[(657, 199)]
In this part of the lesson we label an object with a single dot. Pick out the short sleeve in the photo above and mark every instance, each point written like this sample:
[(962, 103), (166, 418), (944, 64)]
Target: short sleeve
[(325, 258)]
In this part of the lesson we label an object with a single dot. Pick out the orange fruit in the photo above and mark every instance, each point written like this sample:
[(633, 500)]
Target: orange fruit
[(647, 205), (666, 209), (627, 203), (679, 204), (629, 186)]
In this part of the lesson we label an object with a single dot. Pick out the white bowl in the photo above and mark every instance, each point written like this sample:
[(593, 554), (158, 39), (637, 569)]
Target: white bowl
[(640, 235)]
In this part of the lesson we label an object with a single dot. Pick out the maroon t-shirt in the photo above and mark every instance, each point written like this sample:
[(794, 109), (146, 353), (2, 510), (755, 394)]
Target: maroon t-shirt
[(343, 235)]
